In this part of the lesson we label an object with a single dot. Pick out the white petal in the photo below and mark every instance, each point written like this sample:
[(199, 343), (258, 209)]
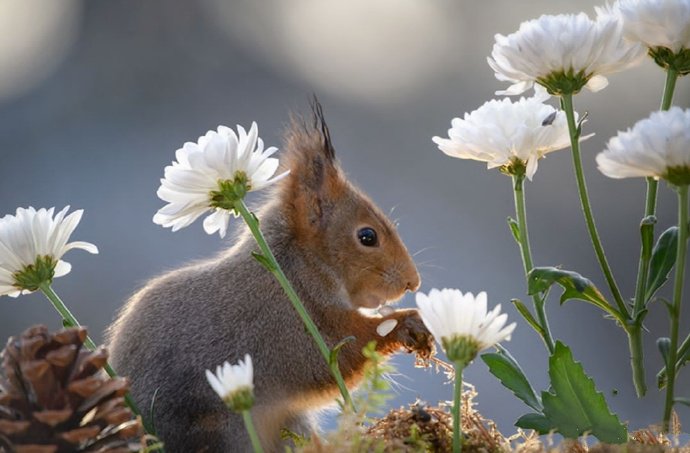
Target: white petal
[(386, 327), (89, 247), (217, 221), (62, 268), (215, 383), (596, 83)]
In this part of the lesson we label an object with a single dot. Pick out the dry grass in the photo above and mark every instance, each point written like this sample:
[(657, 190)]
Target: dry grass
[(421, 428)]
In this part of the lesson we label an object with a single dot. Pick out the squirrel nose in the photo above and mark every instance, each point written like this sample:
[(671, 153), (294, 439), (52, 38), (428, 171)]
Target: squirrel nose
[(413, 283)]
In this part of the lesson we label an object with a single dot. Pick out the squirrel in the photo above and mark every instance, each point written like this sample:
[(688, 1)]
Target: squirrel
[(339, 251)]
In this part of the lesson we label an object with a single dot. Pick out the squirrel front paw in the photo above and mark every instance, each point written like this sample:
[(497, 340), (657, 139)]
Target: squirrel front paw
[(413, 335)]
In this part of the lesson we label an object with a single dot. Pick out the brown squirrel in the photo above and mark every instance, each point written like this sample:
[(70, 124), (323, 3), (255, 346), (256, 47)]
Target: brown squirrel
[(339, 251)]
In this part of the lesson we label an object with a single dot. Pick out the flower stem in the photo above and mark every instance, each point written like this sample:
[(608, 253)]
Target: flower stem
[(586, 208), (71, 321), (521, 213), (637, 358), (669, 88), (635, 330), (457, 393), (675, 307), (256, 444), (253, 224)]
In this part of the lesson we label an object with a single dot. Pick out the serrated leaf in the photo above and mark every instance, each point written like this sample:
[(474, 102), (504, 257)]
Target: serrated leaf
[(514, 229), (663, 259), (574, 406), (574, 285), (508, 371), (537, 422)]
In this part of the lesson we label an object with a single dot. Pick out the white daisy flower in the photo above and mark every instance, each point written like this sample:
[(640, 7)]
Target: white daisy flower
[(32, 243), (655, 23), (503, 133), (461, 324), (234, 384), (208, 175), (563, 53), (658, 146)]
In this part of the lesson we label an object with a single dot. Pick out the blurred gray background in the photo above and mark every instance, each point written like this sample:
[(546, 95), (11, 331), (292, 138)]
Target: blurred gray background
[(96, 96)]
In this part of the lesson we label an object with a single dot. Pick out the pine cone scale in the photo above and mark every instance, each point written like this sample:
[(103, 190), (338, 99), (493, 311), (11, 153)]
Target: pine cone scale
[(13, 427), (36, 449), (53, 418), (80, 435), (111, 389)]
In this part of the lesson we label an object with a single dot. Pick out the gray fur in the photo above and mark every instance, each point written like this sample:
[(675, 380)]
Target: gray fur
[(195, 318), (202, 315)]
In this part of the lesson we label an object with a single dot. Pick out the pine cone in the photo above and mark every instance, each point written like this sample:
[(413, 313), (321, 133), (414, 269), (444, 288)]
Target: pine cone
[(55, 398)]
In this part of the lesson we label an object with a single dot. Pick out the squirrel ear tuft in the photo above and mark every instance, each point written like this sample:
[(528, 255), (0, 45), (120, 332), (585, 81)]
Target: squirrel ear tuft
[(315, 181), (321, 126)]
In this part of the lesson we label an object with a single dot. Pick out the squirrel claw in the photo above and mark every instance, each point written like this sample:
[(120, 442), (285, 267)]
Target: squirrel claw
[(415, 337)]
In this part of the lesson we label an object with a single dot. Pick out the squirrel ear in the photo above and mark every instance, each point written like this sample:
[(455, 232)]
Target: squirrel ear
[(315, 182)]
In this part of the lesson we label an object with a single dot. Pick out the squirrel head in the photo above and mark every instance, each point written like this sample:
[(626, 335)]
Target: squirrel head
[(338, 224)]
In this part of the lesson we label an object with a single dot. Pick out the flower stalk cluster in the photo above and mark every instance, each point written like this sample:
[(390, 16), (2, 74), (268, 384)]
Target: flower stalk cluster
[(564, 54)]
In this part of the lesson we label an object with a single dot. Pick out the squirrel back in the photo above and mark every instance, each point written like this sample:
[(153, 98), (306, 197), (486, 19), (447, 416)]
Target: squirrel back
[(340, 253)]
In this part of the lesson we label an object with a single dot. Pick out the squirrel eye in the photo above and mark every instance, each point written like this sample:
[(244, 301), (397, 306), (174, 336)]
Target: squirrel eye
[(367, 237)]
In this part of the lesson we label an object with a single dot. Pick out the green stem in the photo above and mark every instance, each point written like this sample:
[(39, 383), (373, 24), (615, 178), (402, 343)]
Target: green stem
[(457, 393), (637, 359), (669, 88), (635, 330), (675, 308), (253, 224), (71, 321), (586, 208), (521, 213), (256, 444)]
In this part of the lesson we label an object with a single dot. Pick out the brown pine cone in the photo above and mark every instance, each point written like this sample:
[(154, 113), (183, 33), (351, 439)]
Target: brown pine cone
[(54, 397)]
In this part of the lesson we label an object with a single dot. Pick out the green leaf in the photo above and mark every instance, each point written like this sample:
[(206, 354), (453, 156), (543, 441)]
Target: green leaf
[(574, 285), (333, 359), (574, 406), (265, 262), (683, 355), (514, 228), (537, 422), (524, 311), (682, 400), (508, 371), (663, 259), (664, 345), (647, 236)]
